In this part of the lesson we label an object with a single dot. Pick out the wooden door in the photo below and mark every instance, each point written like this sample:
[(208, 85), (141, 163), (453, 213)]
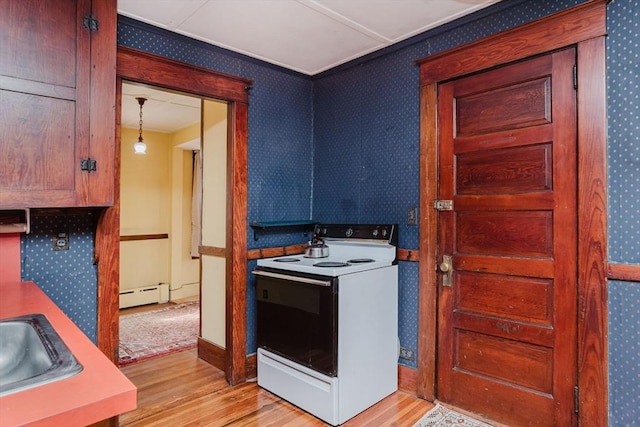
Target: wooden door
[(507, 160)]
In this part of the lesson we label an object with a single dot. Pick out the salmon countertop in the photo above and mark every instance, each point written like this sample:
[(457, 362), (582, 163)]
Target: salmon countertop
[(98, 392)]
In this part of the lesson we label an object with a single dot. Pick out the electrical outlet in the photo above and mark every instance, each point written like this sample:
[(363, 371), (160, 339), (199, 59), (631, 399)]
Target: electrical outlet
[(406, 354), (61, 241), (412, 216)]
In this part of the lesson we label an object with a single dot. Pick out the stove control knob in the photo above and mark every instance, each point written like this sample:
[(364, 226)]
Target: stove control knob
[(375, 232), (384, 232), (349, 232)]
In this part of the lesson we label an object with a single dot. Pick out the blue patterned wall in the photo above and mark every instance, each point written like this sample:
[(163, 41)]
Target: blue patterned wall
[(624, 351), (623, 89), (623, 85), (68, 277)]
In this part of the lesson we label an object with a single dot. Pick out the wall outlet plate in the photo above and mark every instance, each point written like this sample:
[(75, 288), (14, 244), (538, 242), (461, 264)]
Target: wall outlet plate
[(412, 216), (406, 354), (61, 241)]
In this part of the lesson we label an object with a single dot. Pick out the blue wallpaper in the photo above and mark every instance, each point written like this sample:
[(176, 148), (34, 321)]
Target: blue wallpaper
[(623, 84), (624, 351), (623, 89), (68, 277), (344, 147)]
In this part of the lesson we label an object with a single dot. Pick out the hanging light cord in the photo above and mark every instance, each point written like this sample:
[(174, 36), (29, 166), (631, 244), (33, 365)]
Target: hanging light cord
[(141, 102)]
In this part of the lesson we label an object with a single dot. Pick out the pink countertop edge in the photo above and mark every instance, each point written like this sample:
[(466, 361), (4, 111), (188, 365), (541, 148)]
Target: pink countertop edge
[(99, 392)]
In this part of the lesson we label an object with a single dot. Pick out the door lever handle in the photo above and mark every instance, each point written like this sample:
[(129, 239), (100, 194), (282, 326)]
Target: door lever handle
[(446, 267)]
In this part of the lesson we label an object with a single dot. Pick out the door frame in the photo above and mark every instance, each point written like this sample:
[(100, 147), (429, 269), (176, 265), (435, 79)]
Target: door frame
[(145, 68), (582, 26)]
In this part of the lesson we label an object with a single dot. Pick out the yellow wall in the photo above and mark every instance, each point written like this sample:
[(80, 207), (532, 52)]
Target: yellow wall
[(185, 271), (156, 199), (145, 209), (214, 197)]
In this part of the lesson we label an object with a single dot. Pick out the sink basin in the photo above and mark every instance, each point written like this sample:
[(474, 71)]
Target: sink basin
[(32, 354)]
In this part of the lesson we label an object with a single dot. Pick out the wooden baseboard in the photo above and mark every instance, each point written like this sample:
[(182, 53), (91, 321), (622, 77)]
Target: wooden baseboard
[(252, 366), (211, 353), (408, 379)]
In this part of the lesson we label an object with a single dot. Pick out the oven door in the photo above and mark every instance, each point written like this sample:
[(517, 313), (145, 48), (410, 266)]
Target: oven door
[(298, 318)]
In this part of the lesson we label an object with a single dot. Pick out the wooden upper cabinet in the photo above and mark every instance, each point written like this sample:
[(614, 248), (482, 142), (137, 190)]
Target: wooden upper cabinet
[(57, 103)]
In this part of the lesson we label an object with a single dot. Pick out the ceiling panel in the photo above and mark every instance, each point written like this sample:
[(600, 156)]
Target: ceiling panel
[(401, 19), (308, 36), (282, 32), (163, 111)]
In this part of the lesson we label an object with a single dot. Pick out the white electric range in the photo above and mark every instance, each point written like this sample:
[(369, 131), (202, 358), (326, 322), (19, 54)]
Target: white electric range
[(327, 327)]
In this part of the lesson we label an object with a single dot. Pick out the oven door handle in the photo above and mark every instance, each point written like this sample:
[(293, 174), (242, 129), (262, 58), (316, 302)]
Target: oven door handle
[(292, 278)]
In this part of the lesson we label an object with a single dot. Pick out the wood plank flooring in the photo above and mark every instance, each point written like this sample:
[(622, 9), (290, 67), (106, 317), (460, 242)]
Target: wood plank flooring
[(181, 390)]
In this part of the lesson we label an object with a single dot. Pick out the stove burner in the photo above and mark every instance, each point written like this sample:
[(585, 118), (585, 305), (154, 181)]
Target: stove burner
[(360, 260), (330, 264), (287, 260)]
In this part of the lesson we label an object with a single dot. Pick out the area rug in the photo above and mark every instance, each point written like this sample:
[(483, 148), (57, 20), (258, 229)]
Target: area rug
[(443, 416), (158, 332)]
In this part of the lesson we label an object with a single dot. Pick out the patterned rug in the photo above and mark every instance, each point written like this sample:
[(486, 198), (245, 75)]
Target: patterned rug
[(442, 416), (158, 332)]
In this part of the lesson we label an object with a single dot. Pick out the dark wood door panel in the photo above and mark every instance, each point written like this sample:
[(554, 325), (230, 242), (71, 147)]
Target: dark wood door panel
[(514, 233), (504, 171), (519, 406), (520, 298), (534, 362), (516, 106)]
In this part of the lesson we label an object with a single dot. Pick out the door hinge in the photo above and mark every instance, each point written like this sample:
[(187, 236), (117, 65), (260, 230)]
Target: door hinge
[(88, 165), (576, 399), (575, 76), (90, 23), (443, 205)]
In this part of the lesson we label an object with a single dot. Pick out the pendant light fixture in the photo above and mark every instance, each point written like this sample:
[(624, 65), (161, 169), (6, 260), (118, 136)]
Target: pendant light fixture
[(140, 147)]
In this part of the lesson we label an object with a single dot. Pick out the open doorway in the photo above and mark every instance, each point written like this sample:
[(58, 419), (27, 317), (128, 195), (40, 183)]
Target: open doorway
[(146, 68), (159, 291)]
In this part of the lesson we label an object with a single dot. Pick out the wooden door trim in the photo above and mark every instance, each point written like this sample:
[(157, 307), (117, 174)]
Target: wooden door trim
[(585, 27), (146, 68)]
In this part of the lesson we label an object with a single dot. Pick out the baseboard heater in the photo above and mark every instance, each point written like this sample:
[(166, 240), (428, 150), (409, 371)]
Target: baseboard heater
[(144, 295)]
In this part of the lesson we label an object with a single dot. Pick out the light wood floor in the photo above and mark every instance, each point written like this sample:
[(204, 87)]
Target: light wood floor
[(182, 390)]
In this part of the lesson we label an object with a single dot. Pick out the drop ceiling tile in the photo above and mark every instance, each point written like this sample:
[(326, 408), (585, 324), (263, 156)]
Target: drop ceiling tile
[(162, 13), (283, 32), (398, 20), (163, 111)]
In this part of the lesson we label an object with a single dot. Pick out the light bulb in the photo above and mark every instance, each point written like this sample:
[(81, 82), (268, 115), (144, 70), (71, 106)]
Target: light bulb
[(140, 148)]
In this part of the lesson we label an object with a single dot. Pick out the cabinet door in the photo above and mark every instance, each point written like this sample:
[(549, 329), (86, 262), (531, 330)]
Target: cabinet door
[(45, 104)]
